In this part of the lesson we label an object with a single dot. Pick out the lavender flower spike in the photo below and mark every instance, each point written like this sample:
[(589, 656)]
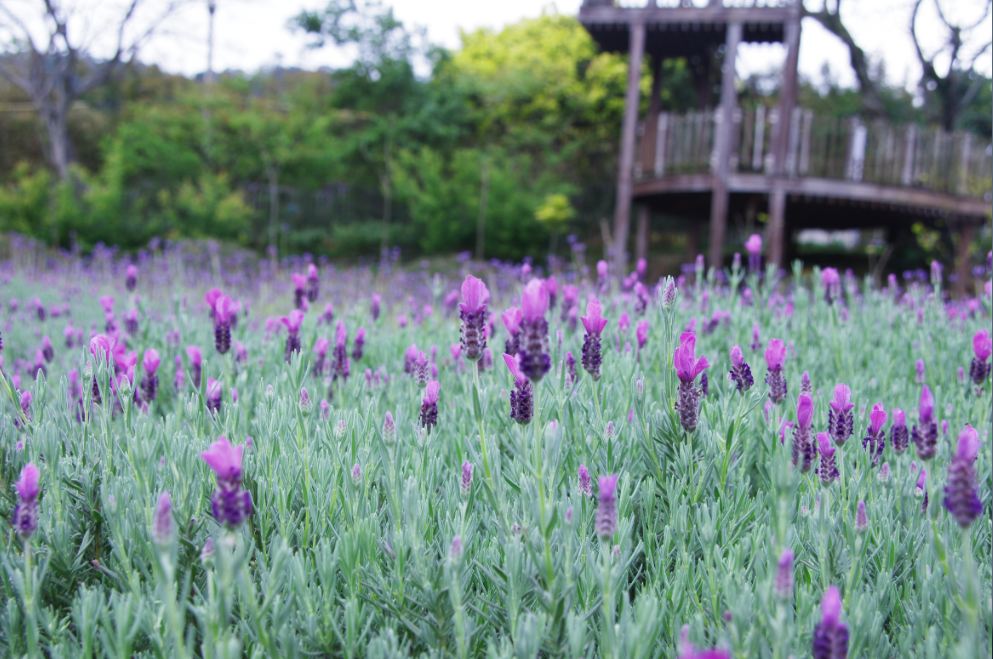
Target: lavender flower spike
[(861, 519), (465, 483), (292, 322), (827, 469), (594, 322), (982, 347), (163, 526), (899, 434), (429, 405), (512, 319), (961, 492), (784, 574), (230, 504), (875, 438), (521, 398), (741, 372), (533, 350), (840, 419), (754, 248), (804, 450), (585, 482), (775, 356), (925, 431), (831, 635), (149, 380), (688, 367), (472, 311), (25, 520), (606, 513)]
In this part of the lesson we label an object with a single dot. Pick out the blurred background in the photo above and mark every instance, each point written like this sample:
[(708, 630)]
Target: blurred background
[(353, 127)]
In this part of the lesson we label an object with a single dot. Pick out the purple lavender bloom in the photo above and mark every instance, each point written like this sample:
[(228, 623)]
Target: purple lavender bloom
[(149, 380), (784, 575), (512, 319), (827, 469), (861, 518), (224, 313), (982, 347), (313, 282), (47, 350), (756, 338), (472, 311), (925, 431), (741, 372), (641, 333), (299, 291), (375, 304), (875, 438), (533, 350), (570, 368), (131, 277), (163, 525), (196, 363), (805, 386), (603, 277), (521, 397), (585, 482), (775, 356), (389, 425), (594, 322), (831, 635), (919, 369), (688, 367), (358, 346), (804, 449), (429, 405), (465, 483), (754, 248), (961, 492), (213, 395), (689, 651), (831, 281), (841, 421), (321, 346), (899, 434), (339, 364), (230, 504), (292, 322), (25, 520), (131, 321), (606, 513)]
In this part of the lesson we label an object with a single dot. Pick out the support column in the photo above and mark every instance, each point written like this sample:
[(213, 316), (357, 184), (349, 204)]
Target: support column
[(649, 137), (641, 233), (722, 148), (963, 244), (781, 148), (622, 207)]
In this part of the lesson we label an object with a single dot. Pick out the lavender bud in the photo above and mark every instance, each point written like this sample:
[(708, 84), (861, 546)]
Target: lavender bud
[(606, 514)]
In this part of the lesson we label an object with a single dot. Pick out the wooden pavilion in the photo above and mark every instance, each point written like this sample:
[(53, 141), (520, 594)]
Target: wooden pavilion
[(730, 161)]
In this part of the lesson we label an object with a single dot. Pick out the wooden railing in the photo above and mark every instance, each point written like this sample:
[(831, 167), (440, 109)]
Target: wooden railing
[(695, 4), (822, 147)]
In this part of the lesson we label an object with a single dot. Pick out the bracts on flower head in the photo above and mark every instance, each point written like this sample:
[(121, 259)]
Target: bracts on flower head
[(512, 319), (875, 438), (594, 323), (688, 367), (358, 346), (213, 395), (472, 311), (131, 277), (741, 372), (961, 491), (521, 398), (841, 421), (775, 356), (292, 322), (925, 431), (827, 468), (230, 504), (429, 405), (224, 312), (313, 282), (340, 366), (606, 513), (533, 348), (899, 434), (982, 347), (299, 291), (25, 518), (831, 635), (196, 364), (804, 450), (149, 379)]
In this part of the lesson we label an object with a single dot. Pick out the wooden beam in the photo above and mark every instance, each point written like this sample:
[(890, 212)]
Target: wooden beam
[(622, 207), (722, 148), (641, 233), (781, 147)]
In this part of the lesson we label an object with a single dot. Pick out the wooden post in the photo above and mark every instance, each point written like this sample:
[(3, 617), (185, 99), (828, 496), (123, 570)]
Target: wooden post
[(622, 207), (963, 247), (641, 232), (776, 232), (720, 165), (649, 138)]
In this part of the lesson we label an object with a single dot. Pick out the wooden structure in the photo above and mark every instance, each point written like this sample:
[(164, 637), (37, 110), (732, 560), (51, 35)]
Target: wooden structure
[(808, 170)]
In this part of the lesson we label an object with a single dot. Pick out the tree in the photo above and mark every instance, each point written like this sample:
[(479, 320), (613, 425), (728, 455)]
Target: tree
[(55, 72), (955, 89)]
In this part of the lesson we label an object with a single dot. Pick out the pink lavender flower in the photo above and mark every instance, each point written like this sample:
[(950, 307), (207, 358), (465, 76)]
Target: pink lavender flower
[(775, 356), (861, 518), (606, 514), (982, 347), (741, 372), (805, 386), (472, 311), (375, 304), (389, 425), (689, 651), (925, 431), (163, 525), (754, 248), (521, 397), (512, 319), (533, 349), (230, 504), (899, 435), (292, 322), (321, 346), (585, 482), (429, 405), (149, 380), (224, 313), (875, 438), (840, 418), (299, 291), (465, 483), (641, 333), (594, 322), (313, 282), (131, 277), (340, 366), (756, 338), (804, 449), (827, 469), (455, 549), (961, 491), (25, 519), (784, 575), (831, 635), (213, 395), (920, 489), (831, 281), (602, 273), (688, 367), (358, 346), (919, 369)]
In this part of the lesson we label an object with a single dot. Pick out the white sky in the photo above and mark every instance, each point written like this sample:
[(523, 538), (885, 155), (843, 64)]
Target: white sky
[(254, 33)]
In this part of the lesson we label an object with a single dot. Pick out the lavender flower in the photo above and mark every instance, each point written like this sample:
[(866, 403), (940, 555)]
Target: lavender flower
[(570, 368), (840, 418), (961, 492), (689, 651), (292, 322), (358, 346), (688, 367), (299, 291), (313, 282), (455, 550), (131, 321), (224, 314), (804, 450), (805, 386), (827, 469), (375, 303), (982, 347), (149, 380), (512, 319), (603, 278), (47, 350), (163, 526), (831, 635), (920, 489), (784, 575), (775, 356), (321, 346), (340, 366), (641, 333), (919, 369), (594, 322), (899, 435), (230, 504), (521, 398), (831, 281), (25, 519), (131, 277), (875, 438), (861, 518), (754, 248), (389, 426), (741, 372), (756, 338), (585, 482), (465, 483), (472, 311), (429, 405), (925, 431), (606, 513), (213, 395), (533, 351), (196, 363)]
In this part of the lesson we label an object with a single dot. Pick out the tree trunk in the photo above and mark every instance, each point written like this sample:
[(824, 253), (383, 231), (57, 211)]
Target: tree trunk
[(57, 131)]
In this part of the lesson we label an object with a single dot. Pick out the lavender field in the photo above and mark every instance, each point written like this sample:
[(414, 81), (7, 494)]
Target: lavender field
[(209, 454)]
